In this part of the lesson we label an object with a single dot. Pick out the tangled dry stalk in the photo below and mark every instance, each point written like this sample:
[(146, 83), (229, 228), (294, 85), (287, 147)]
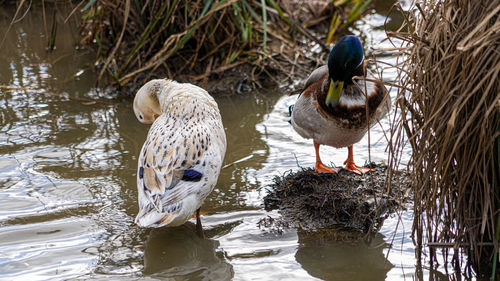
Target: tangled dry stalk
[(450, 104), (140, 39)]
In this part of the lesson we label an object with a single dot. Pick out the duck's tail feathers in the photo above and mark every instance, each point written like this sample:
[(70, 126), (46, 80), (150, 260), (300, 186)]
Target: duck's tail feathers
[(154, 218)]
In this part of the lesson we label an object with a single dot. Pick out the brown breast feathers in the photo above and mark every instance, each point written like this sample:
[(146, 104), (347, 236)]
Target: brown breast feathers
[(352, 116)]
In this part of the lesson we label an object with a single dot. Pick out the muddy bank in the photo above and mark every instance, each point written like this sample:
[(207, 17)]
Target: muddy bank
[(345, 201)]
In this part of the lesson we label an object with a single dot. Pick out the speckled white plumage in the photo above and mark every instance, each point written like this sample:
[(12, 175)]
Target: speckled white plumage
[(187, 135)]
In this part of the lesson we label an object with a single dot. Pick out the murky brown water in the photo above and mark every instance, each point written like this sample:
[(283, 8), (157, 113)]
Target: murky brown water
[(68, 194)]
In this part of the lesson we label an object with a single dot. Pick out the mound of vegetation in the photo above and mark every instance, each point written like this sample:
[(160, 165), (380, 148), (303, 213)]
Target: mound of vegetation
[(311, 201)]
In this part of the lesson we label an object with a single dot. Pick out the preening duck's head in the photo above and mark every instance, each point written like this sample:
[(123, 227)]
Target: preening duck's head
[(146, 104), (345, 57)]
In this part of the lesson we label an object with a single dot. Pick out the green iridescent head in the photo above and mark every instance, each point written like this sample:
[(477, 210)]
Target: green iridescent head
[(345, 57)]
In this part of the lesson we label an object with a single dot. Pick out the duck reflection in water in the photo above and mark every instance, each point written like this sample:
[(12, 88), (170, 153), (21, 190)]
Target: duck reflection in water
[(179, 253), (329, 259)]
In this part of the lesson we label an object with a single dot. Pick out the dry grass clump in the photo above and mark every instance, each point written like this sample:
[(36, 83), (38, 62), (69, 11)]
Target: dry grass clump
[(312, 201), (450, 106), (141, 39)]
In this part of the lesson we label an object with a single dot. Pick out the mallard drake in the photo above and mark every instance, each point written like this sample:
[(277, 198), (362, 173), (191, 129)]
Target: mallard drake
[(181, 158), (332, 110)]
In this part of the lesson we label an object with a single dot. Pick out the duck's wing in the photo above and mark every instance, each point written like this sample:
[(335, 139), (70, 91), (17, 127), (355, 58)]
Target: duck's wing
[(170, 165), (316, 75)]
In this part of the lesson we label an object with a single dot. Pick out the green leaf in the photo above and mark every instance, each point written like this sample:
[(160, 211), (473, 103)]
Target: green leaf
[(273, 4), (251, 11), (358, 9), (264, 20), (88, 5)]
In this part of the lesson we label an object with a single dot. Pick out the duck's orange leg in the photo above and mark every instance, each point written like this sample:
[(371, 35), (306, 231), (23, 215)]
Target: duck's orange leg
[(350, 166), (320, 167)]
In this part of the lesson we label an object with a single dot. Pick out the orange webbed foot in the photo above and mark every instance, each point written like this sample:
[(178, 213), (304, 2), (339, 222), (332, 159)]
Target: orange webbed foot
[(350, 166), (321, 168)]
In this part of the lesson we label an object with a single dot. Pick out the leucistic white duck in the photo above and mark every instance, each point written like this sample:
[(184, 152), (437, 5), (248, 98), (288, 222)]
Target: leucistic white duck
[(332, 110), (182, 156)]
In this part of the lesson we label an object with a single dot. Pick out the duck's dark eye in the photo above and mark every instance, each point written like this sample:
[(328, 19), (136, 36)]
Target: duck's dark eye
[(140, 116)]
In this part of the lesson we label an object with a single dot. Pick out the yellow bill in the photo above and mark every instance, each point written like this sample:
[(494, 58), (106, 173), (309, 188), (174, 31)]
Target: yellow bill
[(333, 96)]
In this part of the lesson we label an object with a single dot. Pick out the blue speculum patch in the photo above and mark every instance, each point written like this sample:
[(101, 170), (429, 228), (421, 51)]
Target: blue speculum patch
[(191, 175), (141, 172)]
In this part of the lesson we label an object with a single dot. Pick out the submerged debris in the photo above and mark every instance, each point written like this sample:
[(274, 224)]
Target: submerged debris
[(273, 225), (313, 201)]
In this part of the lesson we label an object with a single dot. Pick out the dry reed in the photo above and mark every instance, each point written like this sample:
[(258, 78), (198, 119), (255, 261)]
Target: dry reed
[(138, 40), (449, 111)]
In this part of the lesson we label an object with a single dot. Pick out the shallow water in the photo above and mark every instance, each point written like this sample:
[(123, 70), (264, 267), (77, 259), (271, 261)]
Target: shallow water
[(68, 156)]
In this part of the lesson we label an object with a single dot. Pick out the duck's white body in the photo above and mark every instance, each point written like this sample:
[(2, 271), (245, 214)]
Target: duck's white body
[(182, 156)]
